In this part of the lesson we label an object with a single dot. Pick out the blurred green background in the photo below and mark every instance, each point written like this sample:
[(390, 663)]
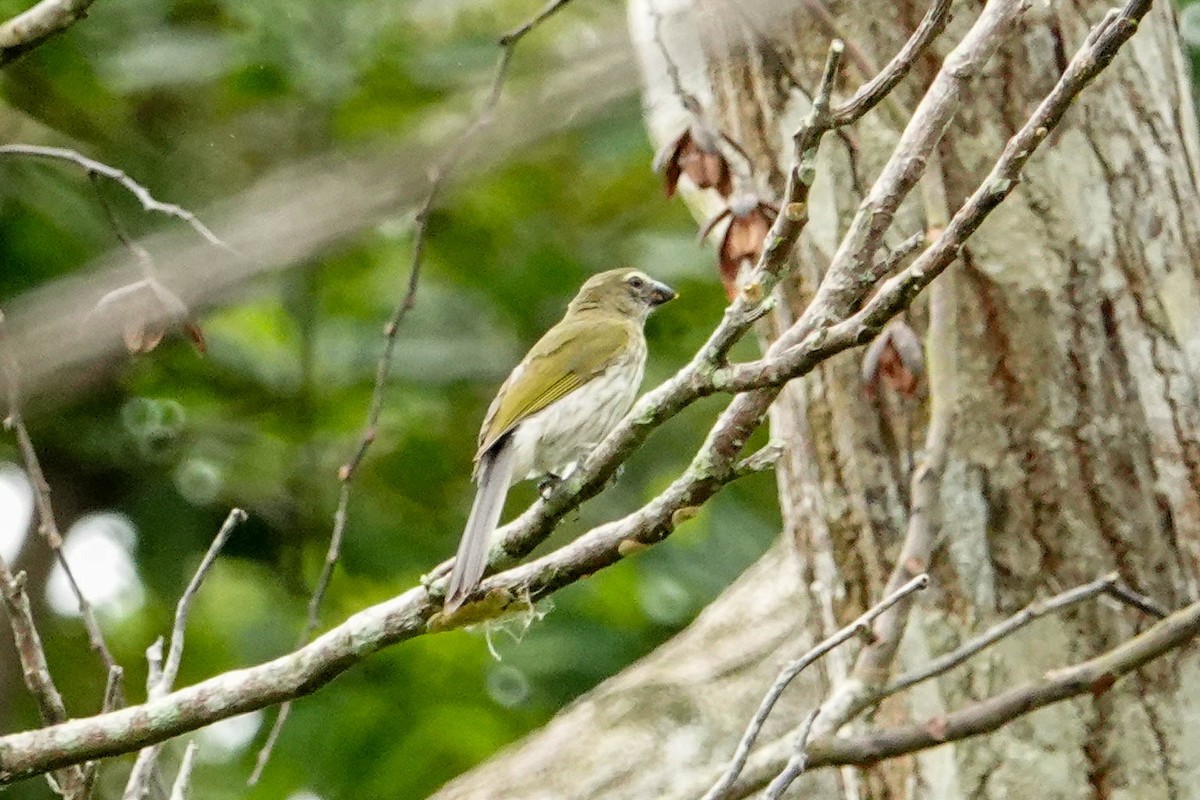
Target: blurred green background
[(199, 100)]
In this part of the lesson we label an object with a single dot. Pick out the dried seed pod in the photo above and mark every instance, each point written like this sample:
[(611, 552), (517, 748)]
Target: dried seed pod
[(895, 359), (750, 221), (696, 153), (145, 310)]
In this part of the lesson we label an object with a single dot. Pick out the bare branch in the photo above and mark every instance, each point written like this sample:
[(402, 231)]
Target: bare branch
[(140, 254), (71, 782), (805, 345), (686, 98), (516, 34), (175, 652), (416, 611), (877, 88), (411, 614), (796, 764), (93, 167), (30, 28), (47, 525), (874, 661), (1122, 593), (858, 627), (1104, 585), (161, 676), (759, 461), (1092, 677), (179, 790), (437, 184), (34, 667), (112, 700)]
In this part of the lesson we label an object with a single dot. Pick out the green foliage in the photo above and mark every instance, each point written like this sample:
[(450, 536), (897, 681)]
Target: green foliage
[(197, 99)]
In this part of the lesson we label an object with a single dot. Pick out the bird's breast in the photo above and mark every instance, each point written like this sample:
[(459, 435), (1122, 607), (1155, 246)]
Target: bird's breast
[(564, 432)]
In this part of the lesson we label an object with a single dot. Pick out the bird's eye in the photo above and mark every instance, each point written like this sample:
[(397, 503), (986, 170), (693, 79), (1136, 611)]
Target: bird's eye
[(636, 282)]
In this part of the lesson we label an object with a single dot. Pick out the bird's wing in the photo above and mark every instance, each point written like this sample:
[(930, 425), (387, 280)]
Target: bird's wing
[(571, 353)]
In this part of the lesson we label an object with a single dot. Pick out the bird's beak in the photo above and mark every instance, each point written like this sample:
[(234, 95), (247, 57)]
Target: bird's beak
[(660, 293)]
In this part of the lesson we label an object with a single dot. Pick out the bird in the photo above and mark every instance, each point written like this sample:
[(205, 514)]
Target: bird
[(570, 390)]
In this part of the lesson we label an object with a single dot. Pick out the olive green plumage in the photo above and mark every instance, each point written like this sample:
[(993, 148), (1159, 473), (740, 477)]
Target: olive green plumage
[(568, 392)]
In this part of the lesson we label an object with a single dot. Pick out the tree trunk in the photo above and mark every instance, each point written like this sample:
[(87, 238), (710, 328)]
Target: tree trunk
[(1061, 408)]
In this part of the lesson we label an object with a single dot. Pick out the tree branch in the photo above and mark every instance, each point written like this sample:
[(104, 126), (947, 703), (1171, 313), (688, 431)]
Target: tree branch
[(1104, 585), (897, 293), (162, 680), (796, 764), (47, 524), (179, 790), (819, 334), (880, 86), (30, 28), (93, 167), (1092, 677), (791, 671), (437, 184), (35, 670), (413, 613)]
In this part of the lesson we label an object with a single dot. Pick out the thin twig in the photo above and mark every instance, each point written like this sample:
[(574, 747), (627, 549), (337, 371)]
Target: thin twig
[(796, 764), (1093, 677), (112, 688), (901, 253), (139, 253), (162, 673), (175, 652), (438, 181), (143, 195), (1121, 592), (760, 460), (47, 524), (35, 669), (860, 626), (416, 612), (688, 100), (873, 91), (112, 700), (179, 790), (515, 35), (974, 646), (1109, 585), (874, 662)]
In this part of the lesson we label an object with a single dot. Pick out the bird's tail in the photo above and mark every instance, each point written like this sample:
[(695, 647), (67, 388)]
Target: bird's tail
[(494, 474)]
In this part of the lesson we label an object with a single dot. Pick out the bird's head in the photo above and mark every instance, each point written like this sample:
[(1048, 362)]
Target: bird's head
[(628, 292)]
